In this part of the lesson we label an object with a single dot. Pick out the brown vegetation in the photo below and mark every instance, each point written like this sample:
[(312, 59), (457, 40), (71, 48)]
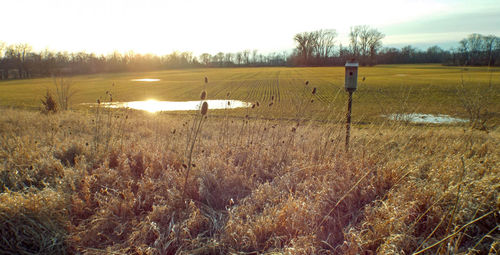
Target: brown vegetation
[(112, 182)]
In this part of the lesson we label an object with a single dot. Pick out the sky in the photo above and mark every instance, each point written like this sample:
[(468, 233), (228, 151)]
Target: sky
[(198, 26)]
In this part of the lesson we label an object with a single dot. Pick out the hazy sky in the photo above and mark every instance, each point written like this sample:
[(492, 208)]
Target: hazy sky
[(162, 26)]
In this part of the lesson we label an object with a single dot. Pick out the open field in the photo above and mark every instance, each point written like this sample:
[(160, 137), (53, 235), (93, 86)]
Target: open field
[(386, 89), (270, 180)]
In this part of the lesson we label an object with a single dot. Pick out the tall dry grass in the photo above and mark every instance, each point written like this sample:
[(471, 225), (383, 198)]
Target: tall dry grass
[(269, 187)]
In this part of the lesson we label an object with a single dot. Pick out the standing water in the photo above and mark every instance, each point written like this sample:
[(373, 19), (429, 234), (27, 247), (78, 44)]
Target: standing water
[(158, 106)]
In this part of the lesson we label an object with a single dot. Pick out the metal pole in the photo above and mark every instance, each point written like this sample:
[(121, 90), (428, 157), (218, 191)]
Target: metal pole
[(348, 123)]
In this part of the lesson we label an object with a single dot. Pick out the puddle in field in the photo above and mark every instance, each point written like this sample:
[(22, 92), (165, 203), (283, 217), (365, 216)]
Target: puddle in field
[(159, 106), (425, 118), (400, 75), (145, 80)]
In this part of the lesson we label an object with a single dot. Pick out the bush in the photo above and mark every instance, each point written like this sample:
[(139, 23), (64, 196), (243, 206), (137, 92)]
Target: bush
[(49, 104)]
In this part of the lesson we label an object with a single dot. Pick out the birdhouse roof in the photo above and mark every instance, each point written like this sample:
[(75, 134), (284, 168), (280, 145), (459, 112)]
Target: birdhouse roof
[(349, 64)]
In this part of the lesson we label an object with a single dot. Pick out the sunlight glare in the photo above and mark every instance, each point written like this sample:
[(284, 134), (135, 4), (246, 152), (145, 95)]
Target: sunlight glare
[(154, 106), (146, 80)]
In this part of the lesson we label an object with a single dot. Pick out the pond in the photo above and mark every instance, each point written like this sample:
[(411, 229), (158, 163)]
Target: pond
[(146, 80), (159, 106), (425, 118)]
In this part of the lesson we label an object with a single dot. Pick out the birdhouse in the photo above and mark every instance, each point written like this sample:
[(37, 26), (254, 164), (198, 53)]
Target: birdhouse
[(351, 76)]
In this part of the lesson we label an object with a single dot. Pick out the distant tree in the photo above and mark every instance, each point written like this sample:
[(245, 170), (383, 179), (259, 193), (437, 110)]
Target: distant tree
[(478, 49), (325, 44), (365, 42), (491, 48), (239, 58), (306, 44), (205, 58), (228, 59), (219, 58), (435, 55), (246, 57)]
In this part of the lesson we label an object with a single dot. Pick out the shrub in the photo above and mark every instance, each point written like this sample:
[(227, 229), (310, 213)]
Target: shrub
[(49, 103)]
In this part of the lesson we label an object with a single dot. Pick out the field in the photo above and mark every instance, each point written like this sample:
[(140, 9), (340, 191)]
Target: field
[(266, 180), (388, 89)]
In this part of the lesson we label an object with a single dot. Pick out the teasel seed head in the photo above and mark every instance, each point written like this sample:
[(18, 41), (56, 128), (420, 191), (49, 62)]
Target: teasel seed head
[(203, 95), (314, 91), (204, 108)]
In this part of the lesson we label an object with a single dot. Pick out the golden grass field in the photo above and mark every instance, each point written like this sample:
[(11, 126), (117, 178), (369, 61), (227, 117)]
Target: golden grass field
[(113, 181)]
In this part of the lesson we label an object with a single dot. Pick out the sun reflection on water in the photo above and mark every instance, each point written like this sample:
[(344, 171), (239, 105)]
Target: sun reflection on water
[(146, 80), (158, 106)]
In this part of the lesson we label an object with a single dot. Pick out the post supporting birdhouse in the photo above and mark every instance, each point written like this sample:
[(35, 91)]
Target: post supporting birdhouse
[(351, 84)]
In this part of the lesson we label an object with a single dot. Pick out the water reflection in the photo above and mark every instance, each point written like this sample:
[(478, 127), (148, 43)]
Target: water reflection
[(425, 118), (158, 106), (146, 80)]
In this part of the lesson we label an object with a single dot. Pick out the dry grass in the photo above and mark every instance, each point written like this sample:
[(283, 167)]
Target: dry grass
[(271, 186)]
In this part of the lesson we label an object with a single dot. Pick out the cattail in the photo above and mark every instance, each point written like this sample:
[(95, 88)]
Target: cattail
[(272, 97), (364, 78), (307, 83), (98, 101), (312, 100), (253, 106), (246, 116), (314, 91), (203, 95), (228, 102), (257, 103), (204, 108), (206, 79)]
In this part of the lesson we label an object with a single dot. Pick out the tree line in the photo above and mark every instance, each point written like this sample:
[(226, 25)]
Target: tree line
[(314, 48)]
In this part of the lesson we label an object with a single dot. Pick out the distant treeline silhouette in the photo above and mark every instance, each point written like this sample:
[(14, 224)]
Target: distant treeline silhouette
[(316, 48)]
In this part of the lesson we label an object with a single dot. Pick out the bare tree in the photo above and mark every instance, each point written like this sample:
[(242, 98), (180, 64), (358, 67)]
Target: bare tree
[(325, 45), (365, 42), (239, 58), (64, 91), (316, 46), (219, 58), (246, 57), (228, 58), (306, 43), (205, 58)]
